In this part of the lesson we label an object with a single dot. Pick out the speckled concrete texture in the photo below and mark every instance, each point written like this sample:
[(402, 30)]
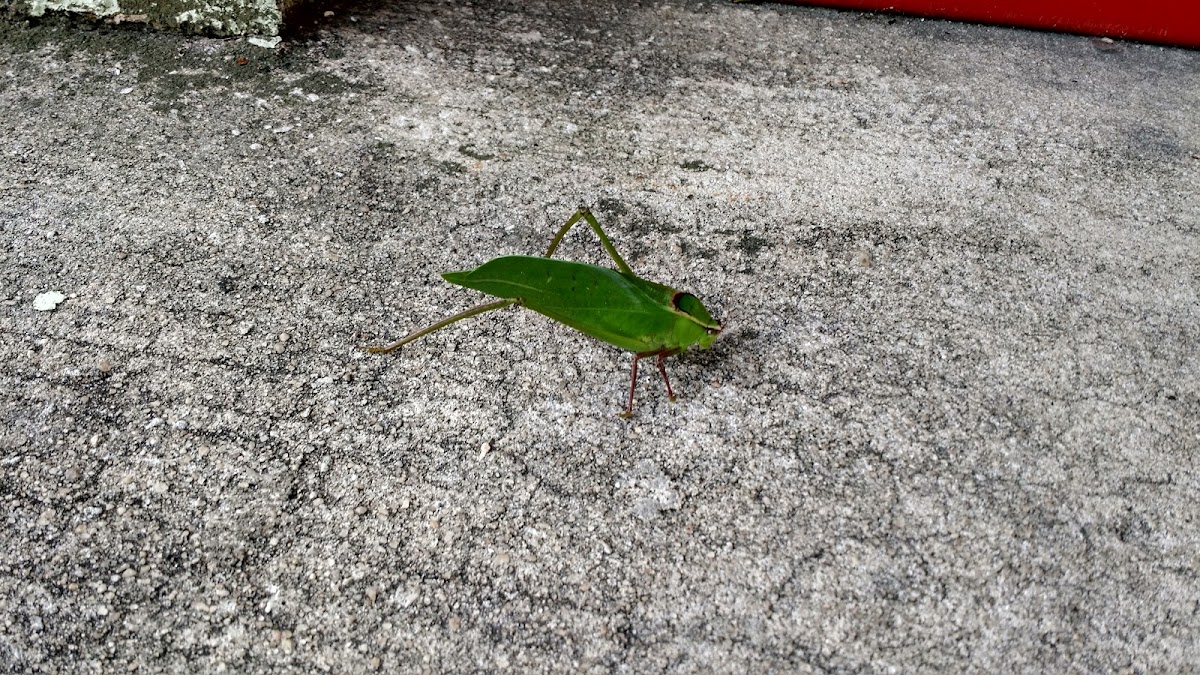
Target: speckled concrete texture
[(951, 424)]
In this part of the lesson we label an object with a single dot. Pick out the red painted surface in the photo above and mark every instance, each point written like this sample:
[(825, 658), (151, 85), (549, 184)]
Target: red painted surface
[(1174, 22)]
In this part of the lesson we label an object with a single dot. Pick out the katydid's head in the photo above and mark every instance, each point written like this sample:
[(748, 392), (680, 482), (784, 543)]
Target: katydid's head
[(699, 327)]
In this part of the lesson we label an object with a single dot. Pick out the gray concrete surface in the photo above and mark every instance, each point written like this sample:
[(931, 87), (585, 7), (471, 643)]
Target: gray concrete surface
[(951, 424)]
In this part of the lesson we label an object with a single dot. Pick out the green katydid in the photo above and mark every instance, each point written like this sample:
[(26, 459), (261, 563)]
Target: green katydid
[(615, 306)]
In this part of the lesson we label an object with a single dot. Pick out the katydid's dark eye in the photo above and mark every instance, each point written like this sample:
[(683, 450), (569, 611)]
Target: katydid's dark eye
[(691, 305), (686, 303)]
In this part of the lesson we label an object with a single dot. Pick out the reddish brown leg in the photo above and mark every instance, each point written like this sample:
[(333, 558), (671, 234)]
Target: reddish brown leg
[(659, 362), (632, 383), (662, 369)]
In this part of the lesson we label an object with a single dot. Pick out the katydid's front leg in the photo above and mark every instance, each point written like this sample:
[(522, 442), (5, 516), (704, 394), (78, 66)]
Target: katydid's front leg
[(662, 369), (585, 214), (661, 354), (474, 311)]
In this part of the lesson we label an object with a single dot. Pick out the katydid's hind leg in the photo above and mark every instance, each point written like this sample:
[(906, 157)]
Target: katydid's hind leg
[(586, 214), (608, 246), (474, 311), (662, 369), (562, 231)]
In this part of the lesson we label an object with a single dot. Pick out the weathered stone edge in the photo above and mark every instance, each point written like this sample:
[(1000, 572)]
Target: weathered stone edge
[(229, 17)]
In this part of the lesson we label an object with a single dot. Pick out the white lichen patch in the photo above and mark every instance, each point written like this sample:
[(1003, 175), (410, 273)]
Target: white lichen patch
[(265, 43), (199, 19), (228, 17), (97, 7)]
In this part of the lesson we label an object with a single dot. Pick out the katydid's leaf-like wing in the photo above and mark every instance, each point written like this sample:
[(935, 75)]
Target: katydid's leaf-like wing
[(620, 309)]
